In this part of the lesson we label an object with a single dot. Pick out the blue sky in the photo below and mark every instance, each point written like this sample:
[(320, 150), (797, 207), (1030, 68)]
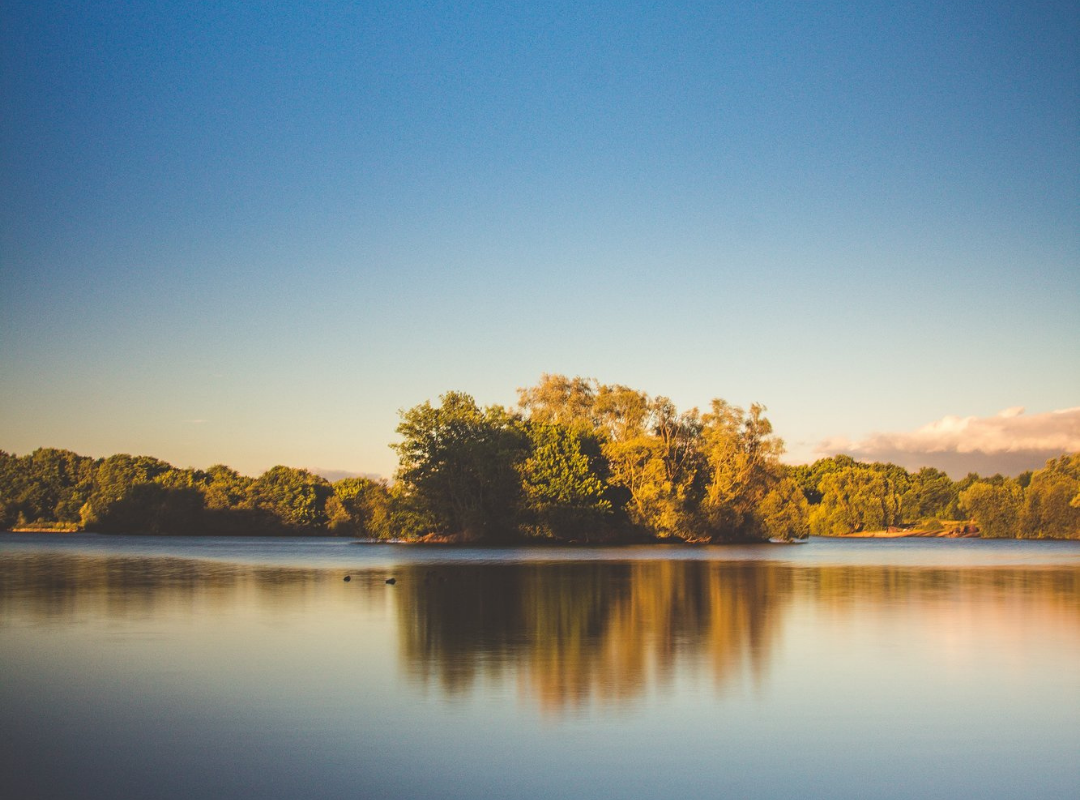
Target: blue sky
[(251, 232)]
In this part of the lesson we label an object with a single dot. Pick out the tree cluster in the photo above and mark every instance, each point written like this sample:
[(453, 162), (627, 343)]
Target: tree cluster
[(846, 496), (1044, 504), (576, 460), (579, 460), (140, 494), (583, 461)]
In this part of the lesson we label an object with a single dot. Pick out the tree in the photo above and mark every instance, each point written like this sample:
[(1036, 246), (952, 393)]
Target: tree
[(149, 508), (648, 452), (637, 467), (995, 507), (742, 464), (225, 488), (564, 483), (635, 458), (684, 464), (622, 413), (462, 463), (360, 507), (784, 511), (1051, 508), (295, 498), (111, 504), (931, 494), (809, 475), (855, 499), (560, 400), (12, 485), (61, 482)]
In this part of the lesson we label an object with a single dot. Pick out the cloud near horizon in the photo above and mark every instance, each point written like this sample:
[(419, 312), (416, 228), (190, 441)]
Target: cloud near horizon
[(334, 475), (1010, 443)]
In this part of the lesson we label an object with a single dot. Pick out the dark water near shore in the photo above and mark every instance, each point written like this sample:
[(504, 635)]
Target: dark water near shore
[(178, 668)]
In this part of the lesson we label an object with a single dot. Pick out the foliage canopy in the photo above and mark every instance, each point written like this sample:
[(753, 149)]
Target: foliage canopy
[(576, 460)]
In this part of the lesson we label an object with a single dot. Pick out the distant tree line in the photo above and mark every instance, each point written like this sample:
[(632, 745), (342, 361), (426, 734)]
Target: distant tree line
[(575, 461), (847, 496), (140, 494)]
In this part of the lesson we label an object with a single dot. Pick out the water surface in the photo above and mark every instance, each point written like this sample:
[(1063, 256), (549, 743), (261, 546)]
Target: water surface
[(173, 667)]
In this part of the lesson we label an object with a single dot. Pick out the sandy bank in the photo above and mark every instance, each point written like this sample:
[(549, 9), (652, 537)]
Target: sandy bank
[(958, 532)]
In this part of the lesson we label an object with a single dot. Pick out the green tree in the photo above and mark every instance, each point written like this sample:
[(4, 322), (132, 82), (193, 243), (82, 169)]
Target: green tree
[(225, 488), (560, 400), (462, 463), (784, 511), (742, 464), (931, 494), (111, 504), (151, 508), (995, 507), (1049, 510), (856, 499), (410, 516), (360, 507), (564, 482), (13, 481), (295, 498), (61, 481), (809, 475)]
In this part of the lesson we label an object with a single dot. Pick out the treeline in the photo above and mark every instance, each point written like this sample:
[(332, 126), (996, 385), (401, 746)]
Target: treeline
[(582, 461), (847, 497), (576, 460), (585, 461), (141, 494)]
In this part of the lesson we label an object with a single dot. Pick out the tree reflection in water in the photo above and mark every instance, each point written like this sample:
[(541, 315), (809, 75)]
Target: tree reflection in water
[(580, 632), (568, 633), (63, 587), (576, 633)]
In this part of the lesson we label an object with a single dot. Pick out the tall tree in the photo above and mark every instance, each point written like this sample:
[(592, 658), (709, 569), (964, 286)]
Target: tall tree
[(564, 480), (856, 499), (113, 482), (742, 459), (61, 481), (1051, 508), (462, 462), (809, 475), (293, 497), (360, 507), (560, 400), (784, 511), (225, 488), (931, 494), (995, 507)]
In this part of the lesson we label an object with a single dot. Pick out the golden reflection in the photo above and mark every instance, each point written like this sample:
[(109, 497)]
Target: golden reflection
[(573, 634), (579, 633)]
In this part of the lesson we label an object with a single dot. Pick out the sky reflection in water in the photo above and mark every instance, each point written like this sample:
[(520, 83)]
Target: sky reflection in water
[(808, 670)]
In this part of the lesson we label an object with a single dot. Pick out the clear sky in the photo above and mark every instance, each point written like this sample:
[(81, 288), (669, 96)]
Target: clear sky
[(251, 232)]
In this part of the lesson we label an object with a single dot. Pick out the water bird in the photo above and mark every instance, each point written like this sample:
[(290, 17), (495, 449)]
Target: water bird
[(391, 581), (348, 578)]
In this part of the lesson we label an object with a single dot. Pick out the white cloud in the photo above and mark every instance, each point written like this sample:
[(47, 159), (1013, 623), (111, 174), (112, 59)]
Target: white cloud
[(1009, 442)]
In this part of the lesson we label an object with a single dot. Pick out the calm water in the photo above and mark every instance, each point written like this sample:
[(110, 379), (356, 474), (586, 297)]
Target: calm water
[(136, 667)]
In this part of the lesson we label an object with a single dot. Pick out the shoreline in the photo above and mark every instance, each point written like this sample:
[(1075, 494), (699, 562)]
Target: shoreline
[(962, 532)]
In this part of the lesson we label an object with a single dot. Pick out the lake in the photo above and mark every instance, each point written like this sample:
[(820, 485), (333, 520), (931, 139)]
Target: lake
[(181, 668)]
